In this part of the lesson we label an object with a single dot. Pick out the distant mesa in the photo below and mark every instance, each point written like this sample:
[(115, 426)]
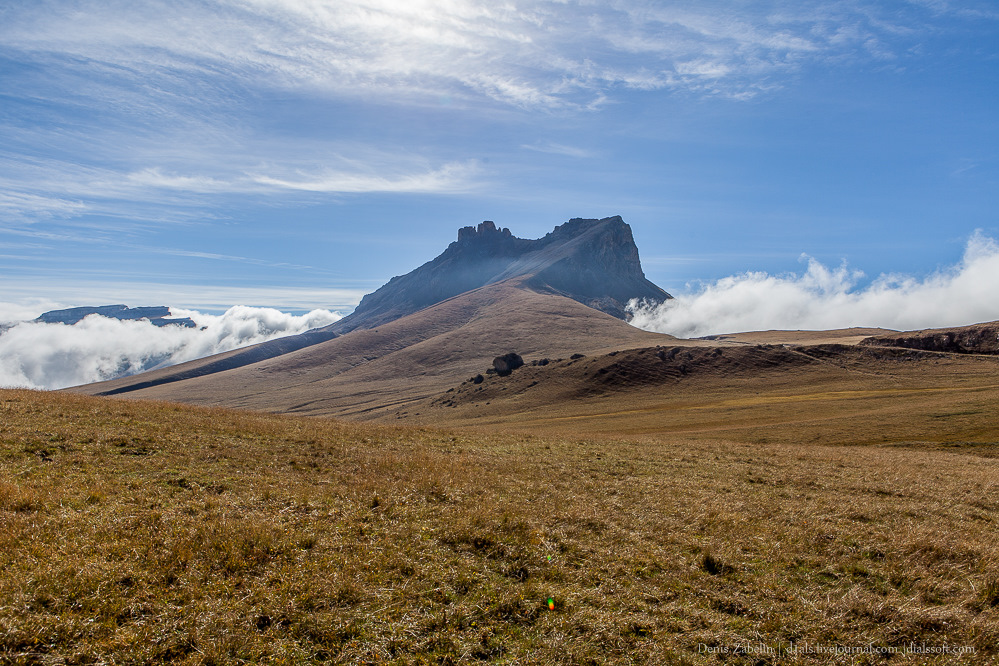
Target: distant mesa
[(157, 315)]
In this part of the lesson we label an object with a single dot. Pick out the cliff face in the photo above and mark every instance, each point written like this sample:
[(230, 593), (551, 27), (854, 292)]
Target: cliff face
[(597, 264), (594, 262)]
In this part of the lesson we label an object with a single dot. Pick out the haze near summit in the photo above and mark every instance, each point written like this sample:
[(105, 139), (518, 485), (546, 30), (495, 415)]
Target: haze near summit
[(298, 154)]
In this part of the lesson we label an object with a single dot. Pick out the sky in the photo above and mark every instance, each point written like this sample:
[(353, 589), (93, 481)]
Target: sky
[(296, 154)]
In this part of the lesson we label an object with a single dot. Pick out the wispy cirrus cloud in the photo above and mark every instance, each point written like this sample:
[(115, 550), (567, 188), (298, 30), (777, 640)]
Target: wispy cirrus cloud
[(528, 53), (558, 149), (29, 297), (968, 9), (454, 177), (137, 109), (16, 204), (156, 178), (370, 176), (57, 188)]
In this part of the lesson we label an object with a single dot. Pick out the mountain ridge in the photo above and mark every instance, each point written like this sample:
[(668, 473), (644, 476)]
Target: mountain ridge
[(592, 261)]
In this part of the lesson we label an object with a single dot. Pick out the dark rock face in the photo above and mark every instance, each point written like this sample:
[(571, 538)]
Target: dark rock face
[(507, 363), (602, 270), (156, 314), (591, 261)]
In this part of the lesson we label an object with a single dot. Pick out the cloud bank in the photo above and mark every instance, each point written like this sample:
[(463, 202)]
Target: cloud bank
[(52, 356), (829, 298)]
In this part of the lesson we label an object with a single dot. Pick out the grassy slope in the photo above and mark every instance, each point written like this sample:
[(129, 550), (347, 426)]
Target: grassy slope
[(818, 395), (369, 373), (133, 532)]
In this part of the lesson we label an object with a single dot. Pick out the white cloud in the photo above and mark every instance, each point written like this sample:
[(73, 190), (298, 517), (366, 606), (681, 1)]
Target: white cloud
[(153, 106), (173, 84), (50, 356), (529, 53), (29, 308), (364, 173), (16, 204), (558, 149), (452, 177), (155, 177), (828, 298), (56, 188)]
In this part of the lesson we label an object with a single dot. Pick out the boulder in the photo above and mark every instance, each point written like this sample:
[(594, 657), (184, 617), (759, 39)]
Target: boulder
[(507, 363)]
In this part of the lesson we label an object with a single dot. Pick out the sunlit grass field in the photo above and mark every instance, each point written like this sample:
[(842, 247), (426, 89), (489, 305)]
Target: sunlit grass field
[(134, 532)]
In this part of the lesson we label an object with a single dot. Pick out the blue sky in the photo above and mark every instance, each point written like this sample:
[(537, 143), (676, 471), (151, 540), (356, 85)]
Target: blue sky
[(299, 153)]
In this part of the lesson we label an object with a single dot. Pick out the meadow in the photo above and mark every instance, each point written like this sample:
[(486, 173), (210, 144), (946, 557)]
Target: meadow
[(142, 532)]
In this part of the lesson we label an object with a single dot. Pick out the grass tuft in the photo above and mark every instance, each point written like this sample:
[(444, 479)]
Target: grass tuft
[(989, 596), (713, 565)]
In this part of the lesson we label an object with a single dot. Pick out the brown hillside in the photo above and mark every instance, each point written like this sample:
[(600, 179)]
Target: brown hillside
[(420, 368), (407, 348), (375, 372), (843, 394), (488, 293)]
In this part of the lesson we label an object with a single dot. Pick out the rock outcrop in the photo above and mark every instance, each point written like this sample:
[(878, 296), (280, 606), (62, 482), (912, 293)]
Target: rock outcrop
[(507, 363), (974, 339)]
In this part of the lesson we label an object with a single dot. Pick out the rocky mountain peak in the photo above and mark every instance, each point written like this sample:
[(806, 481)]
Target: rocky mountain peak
[(486, 231), (592, 261)]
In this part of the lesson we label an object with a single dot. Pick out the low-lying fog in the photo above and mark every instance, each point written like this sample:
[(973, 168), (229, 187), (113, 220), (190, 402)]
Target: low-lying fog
[(823, 298), (50, 356)]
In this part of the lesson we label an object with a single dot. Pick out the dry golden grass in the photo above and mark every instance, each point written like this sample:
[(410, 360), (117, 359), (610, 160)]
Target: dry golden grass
[(136, 532), (807, 395)]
